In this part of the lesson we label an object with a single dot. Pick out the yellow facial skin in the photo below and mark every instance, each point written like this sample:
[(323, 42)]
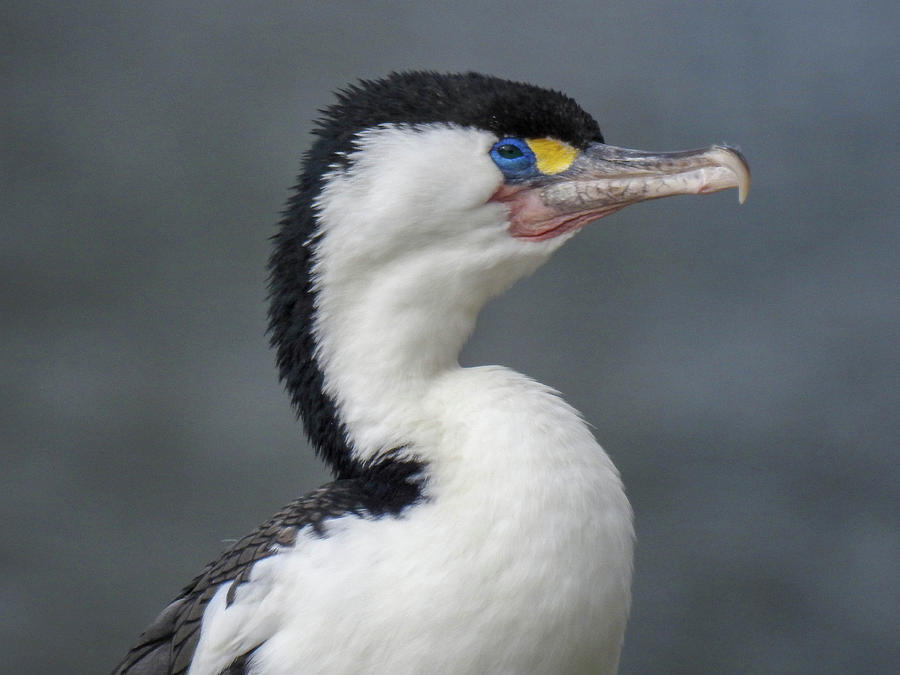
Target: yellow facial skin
[(552, 156)]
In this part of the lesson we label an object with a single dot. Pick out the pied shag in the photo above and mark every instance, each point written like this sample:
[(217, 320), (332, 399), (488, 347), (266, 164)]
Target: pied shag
[(474, 524)]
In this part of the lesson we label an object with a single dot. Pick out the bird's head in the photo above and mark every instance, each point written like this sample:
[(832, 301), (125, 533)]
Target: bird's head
[(426, 194), (466, 174)]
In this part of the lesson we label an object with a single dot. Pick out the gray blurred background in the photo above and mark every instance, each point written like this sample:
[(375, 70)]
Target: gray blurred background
[(740, 364)]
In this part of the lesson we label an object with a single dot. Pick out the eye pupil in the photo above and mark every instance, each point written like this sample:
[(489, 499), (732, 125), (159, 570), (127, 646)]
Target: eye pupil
[(509, 151)]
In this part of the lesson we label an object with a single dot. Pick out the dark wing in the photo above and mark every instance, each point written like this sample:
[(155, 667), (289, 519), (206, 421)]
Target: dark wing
[(168, 644), (385, 488)]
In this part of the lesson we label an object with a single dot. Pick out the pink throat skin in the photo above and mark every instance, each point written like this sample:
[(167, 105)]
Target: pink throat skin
[(530, 219)]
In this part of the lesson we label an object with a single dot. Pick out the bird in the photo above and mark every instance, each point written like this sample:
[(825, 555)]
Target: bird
[(474, 523)]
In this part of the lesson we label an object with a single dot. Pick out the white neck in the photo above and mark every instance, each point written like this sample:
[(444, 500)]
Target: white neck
[(382, 343), (400, 281)]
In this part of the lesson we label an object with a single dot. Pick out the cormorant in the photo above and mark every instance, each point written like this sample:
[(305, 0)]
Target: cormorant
[(474, 524)]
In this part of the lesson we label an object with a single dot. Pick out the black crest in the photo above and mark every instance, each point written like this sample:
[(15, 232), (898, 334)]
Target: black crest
[(468, 99), (500, 106)]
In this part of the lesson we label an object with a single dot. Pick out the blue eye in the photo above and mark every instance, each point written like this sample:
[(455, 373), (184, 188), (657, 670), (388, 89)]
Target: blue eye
[(514, 158)]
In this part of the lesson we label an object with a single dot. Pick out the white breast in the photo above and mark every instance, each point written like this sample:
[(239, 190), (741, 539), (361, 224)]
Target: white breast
[(520, 562)]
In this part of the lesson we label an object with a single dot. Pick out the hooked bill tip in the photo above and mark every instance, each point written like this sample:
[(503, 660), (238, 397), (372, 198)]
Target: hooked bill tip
[(733, 160)]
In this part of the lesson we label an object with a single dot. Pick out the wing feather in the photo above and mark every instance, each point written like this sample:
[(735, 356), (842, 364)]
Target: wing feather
[(168, 644)]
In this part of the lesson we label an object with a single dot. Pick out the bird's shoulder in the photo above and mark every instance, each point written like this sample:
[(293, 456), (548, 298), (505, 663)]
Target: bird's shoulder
[(169, 642)]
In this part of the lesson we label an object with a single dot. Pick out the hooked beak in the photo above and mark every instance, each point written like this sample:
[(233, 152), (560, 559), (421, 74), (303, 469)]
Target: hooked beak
[(604, 179)]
